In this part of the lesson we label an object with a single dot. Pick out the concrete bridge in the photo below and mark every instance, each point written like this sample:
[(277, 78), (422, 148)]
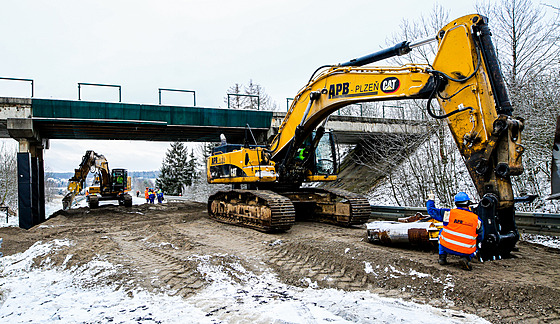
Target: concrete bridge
[(33, 122)]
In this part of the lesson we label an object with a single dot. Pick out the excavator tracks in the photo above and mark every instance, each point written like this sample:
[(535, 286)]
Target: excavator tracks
[(333, 206), (268, 211), (262, 210)]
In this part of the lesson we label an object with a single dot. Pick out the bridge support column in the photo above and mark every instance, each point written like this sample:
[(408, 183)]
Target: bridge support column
[(30, 171), (31, 186)]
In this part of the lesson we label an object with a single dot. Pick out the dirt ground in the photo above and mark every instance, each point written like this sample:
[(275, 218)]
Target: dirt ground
[(155, 245)]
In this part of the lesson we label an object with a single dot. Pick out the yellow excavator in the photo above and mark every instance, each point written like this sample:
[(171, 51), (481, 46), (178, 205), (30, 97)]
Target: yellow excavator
[(465, 79), (108, 184)]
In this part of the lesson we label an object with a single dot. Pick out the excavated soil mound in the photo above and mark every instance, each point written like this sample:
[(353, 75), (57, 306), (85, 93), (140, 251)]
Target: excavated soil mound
[(157, 247)]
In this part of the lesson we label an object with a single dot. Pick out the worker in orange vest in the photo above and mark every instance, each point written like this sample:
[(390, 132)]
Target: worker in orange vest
[(461, 229), (147, 195)]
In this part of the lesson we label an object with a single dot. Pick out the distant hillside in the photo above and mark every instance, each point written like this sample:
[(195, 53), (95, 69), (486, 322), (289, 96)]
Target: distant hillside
[(144, 174), (60, 175), (134, 174)]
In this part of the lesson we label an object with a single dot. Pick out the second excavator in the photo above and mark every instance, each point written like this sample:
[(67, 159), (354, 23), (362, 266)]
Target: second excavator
[(465, 79), (107, 185)]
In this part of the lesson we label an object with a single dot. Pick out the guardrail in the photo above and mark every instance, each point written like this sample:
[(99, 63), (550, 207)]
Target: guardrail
[(19, 79), (534, 223)]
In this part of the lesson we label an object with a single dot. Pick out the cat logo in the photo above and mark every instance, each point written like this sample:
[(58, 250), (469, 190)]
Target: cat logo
[(390, 85)]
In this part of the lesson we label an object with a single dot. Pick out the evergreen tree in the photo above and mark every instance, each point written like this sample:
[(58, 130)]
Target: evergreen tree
[(175, 172), (204, 150), (191, 167)]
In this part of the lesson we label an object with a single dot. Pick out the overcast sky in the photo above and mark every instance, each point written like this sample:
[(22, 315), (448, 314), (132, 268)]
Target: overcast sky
[(205, 46)]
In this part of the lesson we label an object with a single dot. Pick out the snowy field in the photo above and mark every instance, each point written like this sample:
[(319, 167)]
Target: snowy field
[(44, 296), (550, 241)]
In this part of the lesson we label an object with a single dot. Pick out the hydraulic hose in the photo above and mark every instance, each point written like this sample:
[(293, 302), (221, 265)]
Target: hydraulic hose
[(432, 95)]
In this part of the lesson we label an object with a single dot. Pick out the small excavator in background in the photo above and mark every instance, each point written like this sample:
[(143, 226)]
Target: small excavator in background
[(107, 185), (465, 79)]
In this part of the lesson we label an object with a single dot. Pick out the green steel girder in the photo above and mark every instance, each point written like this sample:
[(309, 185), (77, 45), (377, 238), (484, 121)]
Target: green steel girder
[(68, 119)]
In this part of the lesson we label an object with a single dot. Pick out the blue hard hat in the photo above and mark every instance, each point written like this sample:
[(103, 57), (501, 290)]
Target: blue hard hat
[(461, 197)]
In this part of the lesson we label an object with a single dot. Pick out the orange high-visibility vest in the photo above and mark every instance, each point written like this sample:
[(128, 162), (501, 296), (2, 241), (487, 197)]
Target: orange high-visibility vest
[(459, 234)]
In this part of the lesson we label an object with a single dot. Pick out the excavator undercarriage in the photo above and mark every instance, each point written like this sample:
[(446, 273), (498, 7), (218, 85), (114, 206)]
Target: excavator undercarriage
[(262, 210), (268, 211)]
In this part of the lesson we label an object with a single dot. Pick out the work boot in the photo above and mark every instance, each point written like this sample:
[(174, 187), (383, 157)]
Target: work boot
[(443, 259), (465, 265)]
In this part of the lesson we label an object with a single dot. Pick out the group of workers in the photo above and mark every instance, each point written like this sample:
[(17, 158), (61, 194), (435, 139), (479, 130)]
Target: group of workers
[(152, 193)]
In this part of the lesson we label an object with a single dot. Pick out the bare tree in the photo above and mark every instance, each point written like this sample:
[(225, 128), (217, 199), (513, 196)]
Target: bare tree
[(527, 37), (235, 102), (264, 101), (50, 185), (415, 165), (251, 96), (410, 30), (8, 177)]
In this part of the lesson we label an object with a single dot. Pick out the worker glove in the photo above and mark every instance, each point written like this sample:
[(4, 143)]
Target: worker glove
[(431, 196)]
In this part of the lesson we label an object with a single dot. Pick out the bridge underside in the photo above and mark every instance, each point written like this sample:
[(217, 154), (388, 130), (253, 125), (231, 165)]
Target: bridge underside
[(61, 129)]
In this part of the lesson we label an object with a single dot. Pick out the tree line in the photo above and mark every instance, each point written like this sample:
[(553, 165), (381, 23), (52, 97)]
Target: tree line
[(526, 36)]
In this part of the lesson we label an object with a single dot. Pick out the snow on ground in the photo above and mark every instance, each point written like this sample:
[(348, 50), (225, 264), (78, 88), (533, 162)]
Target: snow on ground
[(43, 296), (10, 221), (51, 294), (550, 241)]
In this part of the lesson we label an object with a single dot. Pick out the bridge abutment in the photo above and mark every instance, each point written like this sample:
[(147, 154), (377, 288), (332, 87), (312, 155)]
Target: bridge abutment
[(31, 184), (30, 171)]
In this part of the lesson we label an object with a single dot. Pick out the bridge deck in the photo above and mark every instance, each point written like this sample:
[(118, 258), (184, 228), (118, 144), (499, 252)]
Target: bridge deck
[(71, 119)]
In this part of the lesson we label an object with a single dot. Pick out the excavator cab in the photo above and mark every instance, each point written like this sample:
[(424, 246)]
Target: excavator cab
[(319, 155), (119, 180), (326, 155)]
